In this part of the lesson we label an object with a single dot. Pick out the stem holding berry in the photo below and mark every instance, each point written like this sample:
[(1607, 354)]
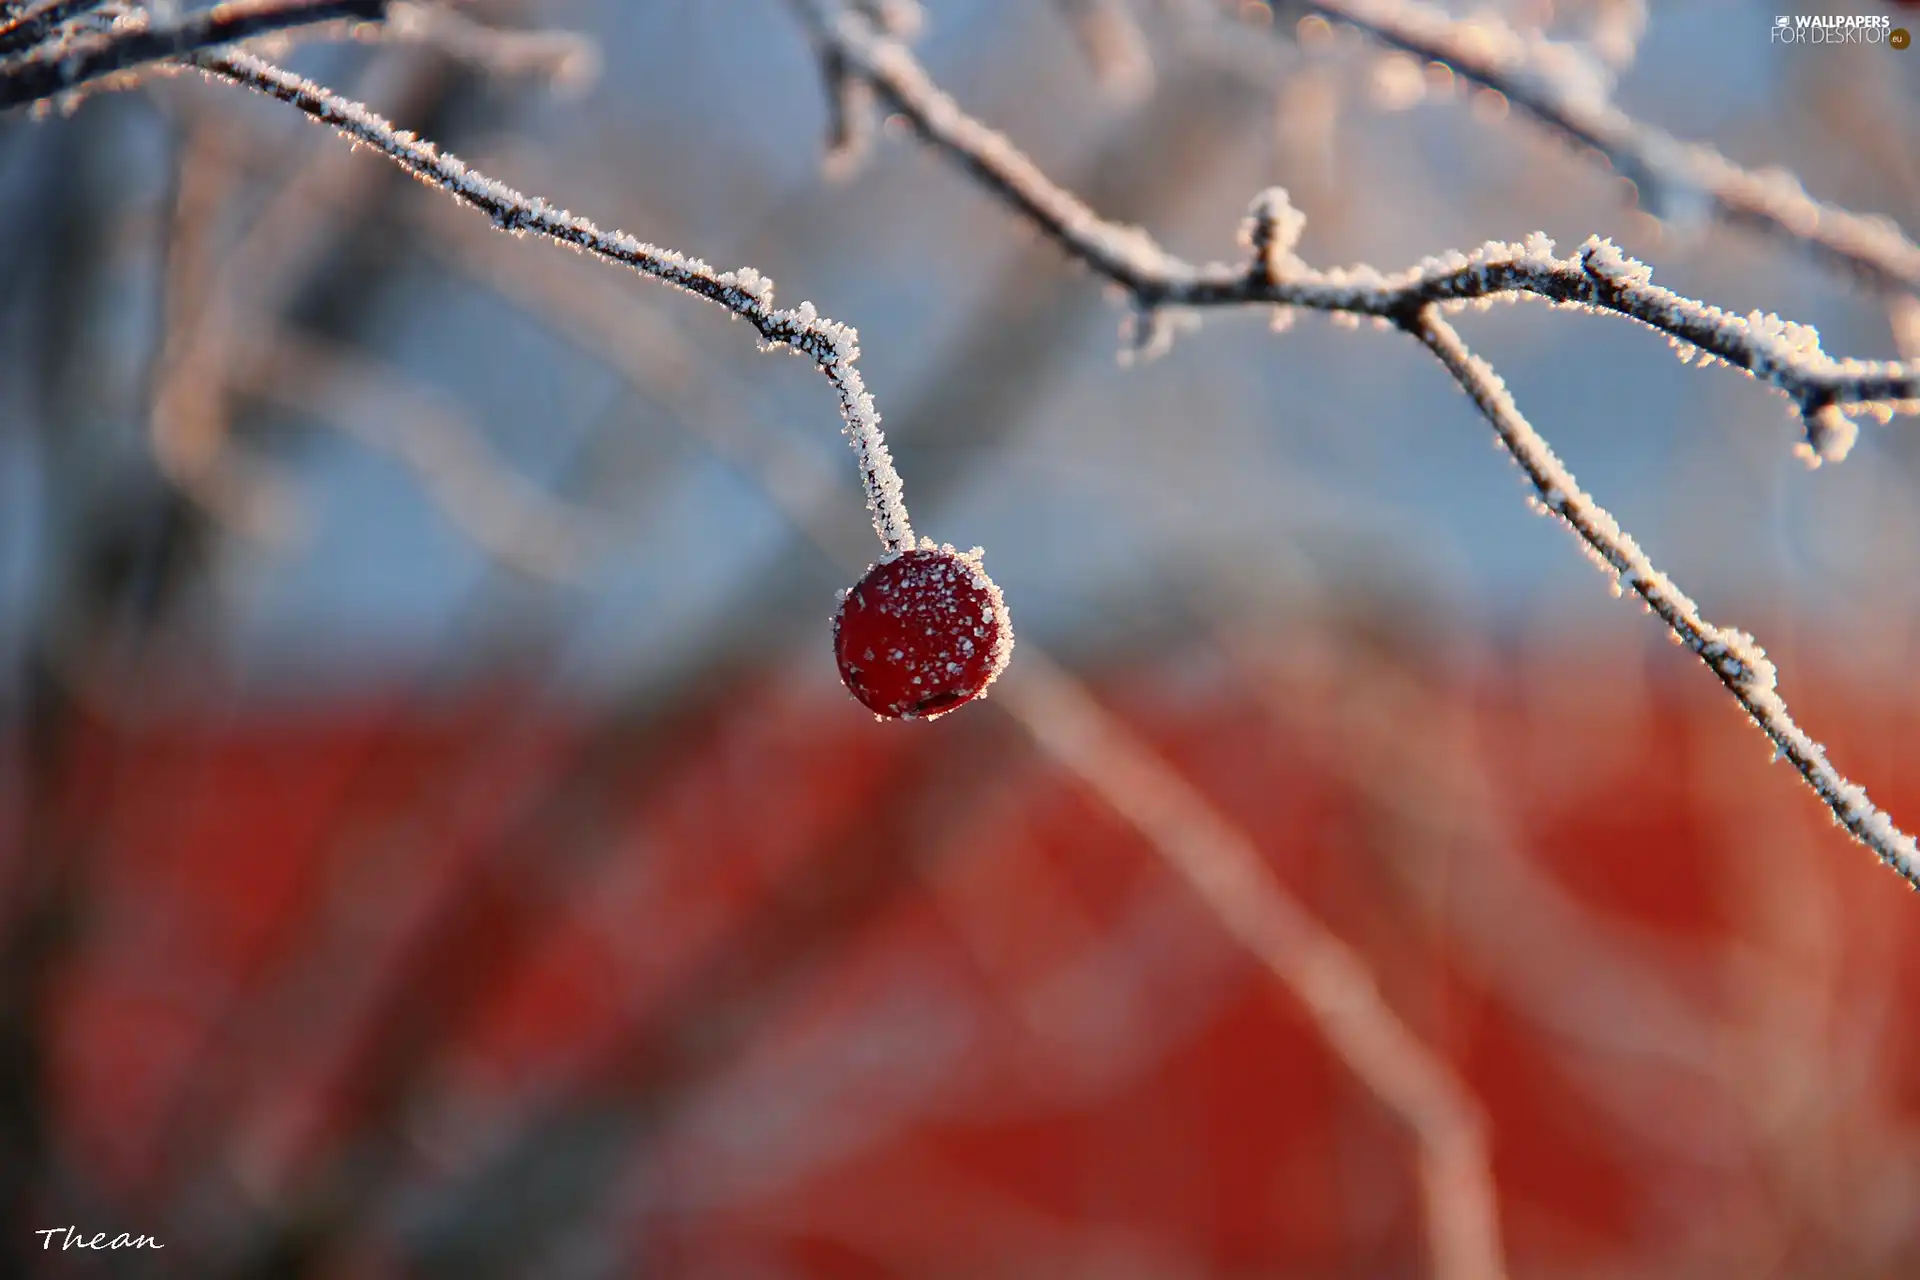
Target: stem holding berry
[(963, 636)]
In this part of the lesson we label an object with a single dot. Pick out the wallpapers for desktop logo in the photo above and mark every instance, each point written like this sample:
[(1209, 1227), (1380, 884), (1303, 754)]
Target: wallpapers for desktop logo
[(1838, 28)]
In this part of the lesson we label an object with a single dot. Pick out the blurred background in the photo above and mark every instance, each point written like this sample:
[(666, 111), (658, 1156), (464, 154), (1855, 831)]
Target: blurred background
[(436, 842)]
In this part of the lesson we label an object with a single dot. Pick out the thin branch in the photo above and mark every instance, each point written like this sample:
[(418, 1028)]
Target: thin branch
[(1225, 869), (1114, 46), (189, 419), (1413, 752), (1786, 355), (1565, 90), (1783, 354), (833, 347), (1734, 657), (850, 123), (61, 66), (505, 514)]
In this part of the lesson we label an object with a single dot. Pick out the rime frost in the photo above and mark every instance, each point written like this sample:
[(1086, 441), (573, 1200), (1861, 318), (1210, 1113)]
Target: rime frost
[(922, 607), (746, 293), (1571, 92), (1733, 655)]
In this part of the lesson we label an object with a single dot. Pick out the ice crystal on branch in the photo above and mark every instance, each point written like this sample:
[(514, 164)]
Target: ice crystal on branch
[(1270, 232)]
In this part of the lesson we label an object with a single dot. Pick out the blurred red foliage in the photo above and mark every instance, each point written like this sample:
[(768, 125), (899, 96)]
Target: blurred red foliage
[(792, 992)]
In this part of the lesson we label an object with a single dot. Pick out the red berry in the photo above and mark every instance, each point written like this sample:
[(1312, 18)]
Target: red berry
[(924, 631)]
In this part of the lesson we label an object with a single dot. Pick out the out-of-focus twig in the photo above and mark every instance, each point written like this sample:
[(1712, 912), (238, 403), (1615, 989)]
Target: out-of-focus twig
[(1565, 90), (1223, 867), (1614, 30), (224, 335), (568, 59), (242, 288), (506, 516), (29, 26), (1114, 45), (188, 413), (220, 296), (1411, 750)]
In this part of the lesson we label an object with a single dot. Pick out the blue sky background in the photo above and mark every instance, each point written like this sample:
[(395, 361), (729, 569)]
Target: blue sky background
[(1243, 468)]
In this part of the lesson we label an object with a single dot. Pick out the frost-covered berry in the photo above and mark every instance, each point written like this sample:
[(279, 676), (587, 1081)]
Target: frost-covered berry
[(924, 631)]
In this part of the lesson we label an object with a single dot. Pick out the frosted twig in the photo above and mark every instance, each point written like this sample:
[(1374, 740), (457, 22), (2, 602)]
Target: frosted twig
[(1565, 90), (63, 65), (833, 347), (1222, 866), (1780, 353), (1785, 355), (1734, 657)]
